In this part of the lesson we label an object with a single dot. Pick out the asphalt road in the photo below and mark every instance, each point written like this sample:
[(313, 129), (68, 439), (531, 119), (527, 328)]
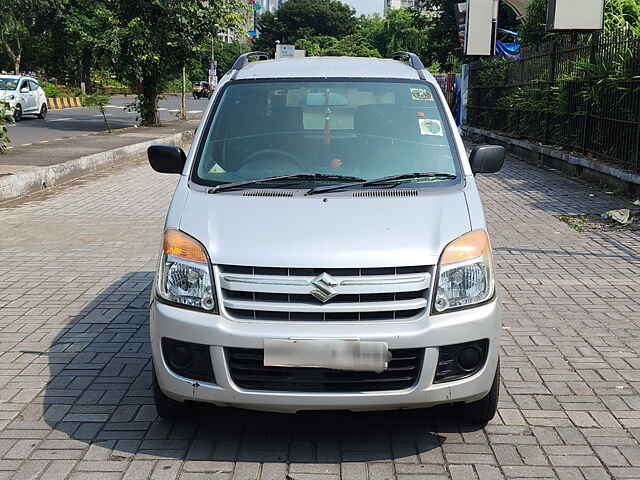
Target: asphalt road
[(73, 122)]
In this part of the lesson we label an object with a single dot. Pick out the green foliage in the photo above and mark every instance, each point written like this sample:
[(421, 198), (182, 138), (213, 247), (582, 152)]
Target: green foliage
[(98, 100), (442, 44), (50, 89), (17, 24), (147, 42), (494, 72), (5, 117), (401, 31), (355, 45), (301, 19)]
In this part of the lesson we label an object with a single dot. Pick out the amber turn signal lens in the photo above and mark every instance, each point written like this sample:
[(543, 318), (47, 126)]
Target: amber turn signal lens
[(181, 245), (470, 245)]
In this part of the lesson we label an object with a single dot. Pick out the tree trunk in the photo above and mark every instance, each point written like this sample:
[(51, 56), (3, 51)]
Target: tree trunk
[(149, 105), (15, 56)]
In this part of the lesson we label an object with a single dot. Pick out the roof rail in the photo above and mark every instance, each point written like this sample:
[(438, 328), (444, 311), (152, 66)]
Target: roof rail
[(243, 60), (413, 60)]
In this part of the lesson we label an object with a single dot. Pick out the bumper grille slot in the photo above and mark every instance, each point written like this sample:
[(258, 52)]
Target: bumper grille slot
[(248, 371)]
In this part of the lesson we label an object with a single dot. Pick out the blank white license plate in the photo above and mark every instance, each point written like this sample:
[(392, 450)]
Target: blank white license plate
[(352, 355)]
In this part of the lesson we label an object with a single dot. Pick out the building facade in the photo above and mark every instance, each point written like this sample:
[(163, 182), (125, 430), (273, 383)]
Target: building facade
[(399, 3), (269, 5)]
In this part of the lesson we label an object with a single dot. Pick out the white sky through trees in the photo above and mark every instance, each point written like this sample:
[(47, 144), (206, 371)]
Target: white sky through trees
[(366, 7)]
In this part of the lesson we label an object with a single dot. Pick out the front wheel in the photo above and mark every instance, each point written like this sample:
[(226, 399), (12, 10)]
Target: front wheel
[(17, 113), (482, 411), (43, 112)]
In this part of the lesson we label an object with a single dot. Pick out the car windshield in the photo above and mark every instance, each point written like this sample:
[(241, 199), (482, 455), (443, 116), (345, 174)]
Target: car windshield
[(8, 83), (362, 129)]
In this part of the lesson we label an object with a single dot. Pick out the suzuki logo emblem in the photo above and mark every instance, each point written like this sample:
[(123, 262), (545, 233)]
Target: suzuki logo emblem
[(324, 290)]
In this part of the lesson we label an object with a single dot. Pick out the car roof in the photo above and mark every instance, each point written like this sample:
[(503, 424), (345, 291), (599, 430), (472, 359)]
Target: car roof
[(330, 67)]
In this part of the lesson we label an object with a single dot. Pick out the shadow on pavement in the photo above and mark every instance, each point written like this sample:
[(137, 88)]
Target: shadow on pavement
[(100, 394)]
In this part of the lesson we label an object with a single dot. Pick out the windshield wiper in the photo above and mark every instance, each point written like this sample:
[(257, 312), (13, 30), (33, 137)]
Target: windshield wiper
[(393, 178), (300, 176)]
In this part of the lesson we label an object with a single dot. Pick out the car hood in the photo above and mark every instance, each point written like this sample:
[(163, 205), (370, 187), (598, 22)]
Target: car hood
[(332, 231)]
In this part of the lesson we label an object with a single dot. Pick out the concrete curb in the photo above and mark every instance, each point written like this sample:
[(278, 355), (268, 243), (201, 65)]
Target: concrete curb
[(40, 178), (549, 154)]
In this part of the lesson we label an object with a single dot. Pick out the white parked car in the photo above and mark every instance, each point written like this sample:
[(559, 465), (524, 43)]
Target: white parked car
[(24, 96)]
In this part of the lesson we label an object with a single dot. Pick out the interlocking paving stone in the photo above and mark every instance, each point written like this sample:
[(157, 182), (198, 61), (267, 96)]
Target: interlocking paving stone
[(75, 399)]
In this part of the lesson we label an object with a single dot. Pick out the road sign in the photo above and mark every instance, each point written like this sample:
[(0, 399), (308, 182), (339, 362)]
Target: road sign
[(563, 15), (252, 33), (480, 32), (256, 6)]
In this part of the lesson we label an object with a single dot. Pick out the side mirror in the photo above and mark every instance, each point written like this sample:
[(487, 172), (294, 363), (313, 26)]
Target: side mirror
[(24, 90), (487, 159), (166, 158)]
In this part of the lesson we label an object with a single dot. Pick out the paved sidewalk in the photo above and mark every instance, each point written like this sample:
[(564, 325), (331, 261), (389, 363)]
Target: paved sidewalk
[(52, 152), (74, 353)]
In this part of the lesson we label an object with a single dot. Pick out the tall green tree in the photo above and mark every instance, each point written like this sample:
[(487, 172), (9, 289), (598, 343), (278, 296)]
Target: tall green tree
[(299, 19), (147, 42), (438, 18), (17, 19)]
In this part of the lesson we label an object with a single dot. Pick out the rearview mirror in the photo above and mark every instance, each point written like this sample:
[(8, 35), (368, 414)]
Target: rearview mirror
[(487, 159), (166, 158)]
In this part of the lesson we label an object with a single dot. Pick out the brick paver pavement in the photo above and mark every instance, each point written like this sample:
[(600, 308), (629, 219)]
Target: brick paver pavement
[(74, 354)]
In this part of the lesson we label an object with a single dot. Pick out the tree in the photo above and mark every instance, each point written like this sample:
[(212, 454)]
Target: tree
[(16, 20), (148, 42), (301, 19), (401, 31), (442, 45), (355, 45)]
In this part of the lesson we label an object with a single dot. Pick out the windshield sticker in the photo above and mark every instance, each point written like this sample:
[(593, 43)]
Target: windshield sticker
[(430, 127), (421, 94), (217, 169)]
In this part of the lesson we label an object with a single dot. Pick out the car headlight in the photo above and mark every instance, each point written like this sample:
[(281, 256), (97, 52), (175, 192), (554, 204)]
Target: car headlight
[(184, 274), (465, 272)]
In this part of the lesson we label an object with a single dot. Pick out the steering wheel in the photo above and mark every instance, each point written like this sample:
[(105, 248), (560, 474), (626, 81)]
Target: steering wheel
[(289, 158)]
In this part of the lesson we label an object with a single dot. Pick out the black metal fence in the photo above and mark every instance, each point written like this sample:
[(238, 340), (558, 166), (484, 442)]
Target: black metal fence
[(581, 92)]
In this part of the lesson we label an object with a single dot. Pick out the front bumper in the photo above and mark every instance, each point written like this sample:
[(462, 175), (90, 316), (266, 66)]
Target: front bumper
[(431, 332)]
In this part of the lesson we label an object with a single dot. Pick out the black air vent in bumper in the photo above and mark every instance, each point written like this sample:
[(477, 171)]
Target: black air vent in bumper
[(248, 372)]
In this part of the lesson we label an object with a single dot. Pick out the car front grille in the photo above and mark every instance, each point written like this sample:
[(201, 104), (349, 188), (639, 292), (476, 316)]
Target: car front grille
[(351, 294), (248, 372)]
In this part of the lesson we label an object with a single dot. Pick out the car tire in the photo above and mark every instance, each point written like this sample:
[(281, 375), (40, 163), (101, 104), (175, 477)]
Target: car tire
[(17, 113), (43, 112), (482, 411), (167, 408)]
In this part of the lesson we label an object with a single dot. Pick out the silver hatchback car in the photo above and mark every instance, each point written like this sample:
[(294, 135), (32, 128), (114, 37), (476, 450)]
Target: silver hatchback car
[(326, 247)]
